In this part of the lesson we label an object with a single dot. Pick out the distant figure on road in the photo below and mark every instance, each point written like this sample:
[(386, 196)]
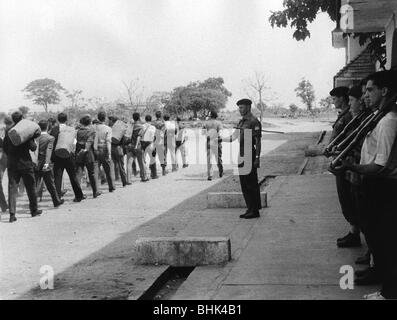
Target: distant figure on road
[(159, 142), (118, 154), (66, 161), (3, 161), (85, 157), (44, 170), (181, 139), (251, 126), (103, 147), (170, 134), (137, 152), (147, 143), (212, 128)]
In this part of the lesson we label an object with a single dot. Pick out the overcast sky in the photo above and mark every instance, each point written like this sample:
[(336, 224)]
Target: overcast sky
[(94, 45)]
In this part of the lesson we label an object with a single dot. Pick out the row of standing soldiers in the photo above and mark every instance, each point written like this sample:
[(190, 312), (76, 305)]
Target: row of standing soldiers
[(366, 178), (95, 150)]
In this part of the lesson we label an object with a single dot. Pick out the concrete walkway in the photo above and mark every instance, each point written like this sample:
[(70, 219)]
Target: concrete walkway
[(289, 253)]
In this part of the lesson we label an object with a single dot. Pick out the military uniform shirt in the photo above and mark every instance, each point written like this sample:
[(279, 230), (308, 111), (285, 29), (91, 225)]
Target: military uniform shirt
[(343, 119), (254, 127)]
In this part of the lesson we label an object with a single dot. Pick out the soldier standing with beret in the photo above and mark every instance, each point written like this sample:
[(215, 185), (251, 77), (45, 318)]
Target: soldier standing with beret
[(340, 96), (249, 128)]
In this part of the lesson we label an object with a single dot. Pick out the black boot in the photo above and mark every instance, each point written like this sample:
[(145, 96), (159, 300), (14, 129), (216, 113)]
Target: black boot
[(36, 213), (153, 171), (350, 241), (12, 218), (245, 213), (251, 215), (371, 277), (365, 259)]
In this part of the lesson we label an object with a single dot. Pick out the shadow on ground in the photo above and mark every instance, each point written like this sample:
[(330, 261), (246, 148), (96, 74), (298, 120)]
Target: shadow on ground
[(111, 273)]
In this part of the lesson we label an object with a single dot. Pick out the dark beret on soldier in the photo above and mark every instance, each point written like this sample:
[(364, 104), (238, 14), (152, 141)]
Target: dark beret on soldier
[(339, 92), (245, 102)]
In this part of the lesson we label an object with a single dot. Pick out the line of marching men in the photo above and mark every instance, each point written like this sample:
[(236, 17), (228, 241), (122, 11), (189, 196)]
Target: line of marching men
[(364, 150), (39, 153)]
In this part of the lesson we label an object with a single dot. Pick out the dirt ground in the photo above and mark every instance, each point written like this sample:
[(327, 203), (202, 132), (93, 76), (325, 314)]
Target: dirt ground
[(90, 245)]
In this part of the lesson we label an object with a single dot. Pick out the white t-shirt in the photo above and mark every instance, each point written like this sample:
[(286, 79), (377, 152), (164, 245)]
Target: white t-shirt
[(149, 132), (378, 143), (170, 126)]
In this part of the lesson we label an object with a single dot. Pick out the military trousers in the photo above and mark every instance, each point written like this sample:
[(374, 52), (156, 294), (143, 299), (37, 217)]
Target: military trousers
[(251, 191)]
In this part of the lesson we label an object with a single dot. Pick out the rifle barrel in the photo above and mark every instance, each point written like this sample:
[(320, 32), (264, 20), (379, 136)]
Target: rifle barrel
[(271, 131), (263, 130), (356, 121)]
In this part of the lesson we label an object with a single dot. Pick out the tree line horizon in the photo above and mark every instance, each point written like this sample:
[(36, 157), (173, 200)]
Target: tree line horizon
[(193, 101)]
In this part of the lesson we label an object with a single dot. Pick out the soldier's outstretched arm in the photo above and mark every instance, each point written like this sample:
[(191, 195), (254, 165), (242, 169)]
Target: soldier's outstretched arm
[(234, 136)]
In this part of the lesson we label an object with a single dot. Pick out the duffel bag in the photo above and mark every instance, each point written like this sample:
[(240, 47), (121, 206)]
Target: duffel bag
[(23, 131)]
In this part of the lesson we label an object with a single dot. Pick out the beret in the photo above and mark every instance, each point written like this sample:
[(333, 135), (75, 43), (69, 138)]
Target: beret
[(339, 92), (356, 92), (246, 102)]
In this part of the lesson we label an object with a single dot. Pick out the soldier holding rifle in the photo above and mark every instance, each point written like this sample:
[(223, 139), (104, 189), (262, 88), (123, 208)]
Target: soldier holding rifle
[(379, 185), (343, 186)]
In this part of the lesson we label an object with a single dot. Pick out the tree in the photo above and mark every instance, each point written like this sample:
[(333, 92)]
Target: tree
[(258, 90), (305, 91), (293, 108), (43, 92), (156, 101), (134, 90), (198, 97), (298, 13), (74, 97), (326, 103), (215, 84)]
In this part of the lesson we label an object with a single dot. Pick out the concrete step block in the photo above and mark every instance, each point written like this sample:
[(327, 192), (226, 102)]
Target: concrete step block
[(183, 251), (231, 200)]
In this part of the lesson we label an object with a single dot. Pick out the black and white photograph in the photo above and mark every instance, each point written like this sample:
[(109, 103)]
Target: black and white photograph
[(198, 154)]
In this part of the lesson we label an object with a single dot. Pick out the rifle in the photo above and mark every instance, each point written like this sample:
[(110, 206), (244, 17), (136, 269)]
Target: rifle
[(356, 121), (368, 125), (342, 145), (271, 131), (263, 130)]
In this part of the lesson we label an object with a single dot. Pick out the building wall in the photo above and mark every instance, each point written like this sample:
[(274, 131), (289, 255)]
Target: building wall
[(353, 49), (391, 50)]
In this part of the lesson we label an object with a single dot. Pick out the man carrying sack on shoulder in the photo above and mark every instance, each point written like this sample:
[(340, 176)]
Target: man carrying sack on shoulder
[(20, 165)]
